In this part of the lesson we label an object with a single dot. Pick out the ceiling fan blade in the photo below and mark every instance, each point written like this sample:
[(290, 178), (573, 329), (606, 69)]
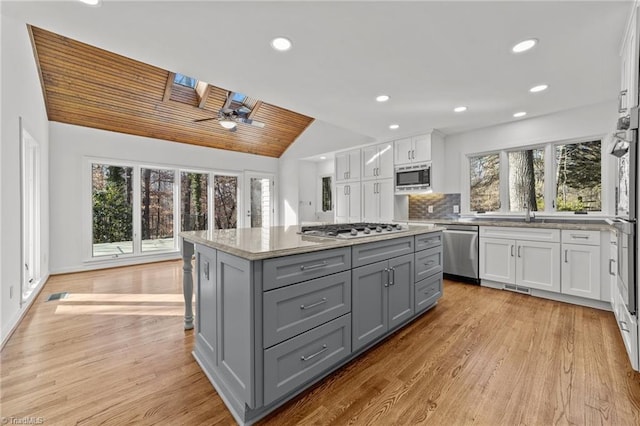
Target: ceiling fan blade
[(204, 119)]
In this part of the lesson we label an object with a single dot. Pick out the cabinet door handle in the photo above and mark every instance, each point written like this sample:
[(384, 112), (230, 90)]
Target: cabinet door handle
[(511, 250), (409, 155), (519, 247), (316, 266), (622, 95), (313, 305), (623, 326), (565, 256), (413, 154), (344, 190), (386, 283), (611, 270), (308, 357), (393, 276)]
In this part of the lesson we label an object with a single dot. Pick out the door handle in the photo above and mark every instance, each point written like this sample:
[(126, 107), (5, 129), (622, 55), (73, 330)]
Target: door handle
[(511, 250), (519, 247), (393, 276), (409, 155), (611, 262), (565, 256), (413, 154), (386, 283)]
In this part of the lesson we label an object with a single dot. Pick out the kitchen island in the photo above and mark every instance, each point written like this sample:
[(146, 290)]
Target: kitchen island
[(278, 311)]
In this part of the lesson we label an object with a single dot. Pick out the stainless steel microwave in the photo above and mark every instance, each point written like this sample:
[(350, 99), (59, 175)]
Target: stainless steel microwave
[(413, 178)]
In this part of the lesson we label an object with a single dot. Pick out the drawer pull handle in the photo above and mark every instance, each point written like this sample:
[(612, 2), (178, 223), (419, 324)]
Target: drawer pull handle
[(431, 262), (317, 265), (428, 291), (313, 305), (623, 326), (307, 358), (581, 237)]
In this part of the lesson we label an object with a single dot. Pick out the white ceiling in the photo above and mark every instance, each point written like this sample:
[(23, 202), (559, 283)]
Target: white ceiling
[(428, 56)]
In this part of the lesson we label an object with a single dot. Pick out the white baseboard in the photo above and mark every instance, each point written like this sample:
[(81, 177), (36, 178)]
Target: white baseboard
[(116, 263), (17, 318)]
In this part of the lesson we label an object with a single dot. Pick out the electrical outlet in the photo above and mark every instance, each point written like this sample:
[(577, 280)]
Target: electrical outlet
[(456, 209), (430, 209)]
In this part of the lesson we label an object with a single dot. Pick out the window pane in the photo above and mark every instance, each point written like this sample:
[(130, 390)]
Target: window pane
[(260, 202), (485, 182), (526, 180), (578, 178), (112, 195), (225, 189), (156, 196), (194, 205), (326, 194)]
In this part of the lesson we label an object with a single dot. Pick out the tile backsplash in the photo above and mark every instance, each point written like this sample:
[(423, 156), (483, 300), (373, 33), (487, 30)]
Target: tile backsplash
[(442, 205)]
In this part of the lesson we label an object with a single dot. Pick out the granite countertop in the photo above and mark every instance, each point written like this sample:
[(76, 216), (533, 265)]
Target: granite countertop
[(264, 243), (549, 223)]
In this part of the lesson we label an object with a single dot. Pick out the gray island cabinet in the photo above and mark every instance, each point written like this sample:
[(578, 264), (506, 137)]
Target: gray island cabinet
[(277, 311)]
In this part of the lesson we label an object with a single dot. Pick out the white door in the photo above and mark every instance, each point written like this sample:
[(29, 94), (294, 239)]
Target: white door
[(402, 151), (370, 201), (258, 200), (369, 162), (581, 270), (354, 202), (421, 149), (385, 161), (342, 203), (30, 224), (537, 265), (386, 199), (497, 260)]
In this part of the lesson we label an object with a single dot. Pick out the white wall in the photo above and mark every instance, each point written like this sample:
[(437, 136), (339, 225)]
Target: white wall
[(594, 120), (307, 177), (21, 97), (71, 146)]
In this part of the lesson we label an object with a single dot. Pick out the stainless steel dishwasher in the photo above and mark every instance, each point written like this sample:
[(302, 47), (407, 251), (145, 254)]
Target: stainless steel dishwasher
[(460, 246)]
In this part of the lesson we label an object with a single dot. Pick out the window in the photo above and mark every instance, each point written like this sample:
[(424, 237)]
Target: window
[(579, 183), (225, 190), (194, 202), (326, 193), (485, 182), (569, 174), (184, 80), (112, 196), (156, 209), (526, 180)]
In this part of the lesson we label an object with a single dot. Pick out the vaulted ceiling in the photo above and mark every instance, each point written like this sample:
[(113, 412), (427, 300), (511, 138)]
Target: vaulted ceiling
[(91, 87)]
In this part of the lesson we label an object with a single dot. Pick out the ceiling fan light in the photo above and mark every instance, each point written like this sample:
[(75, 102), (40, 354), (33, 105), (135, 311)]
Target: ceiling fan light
[(228, 124)]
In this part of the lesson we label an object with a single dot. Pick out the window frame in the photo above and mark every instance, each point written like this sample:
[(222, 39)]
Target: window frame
[(606, 170), (87, 201)]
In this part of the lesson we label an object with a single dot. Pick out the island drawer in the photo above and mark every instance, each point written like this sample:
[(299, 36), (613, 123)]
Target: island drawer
[(430, 240), (299, 360), (291, 310), (427, 292), (281, 271), (428, 262), (364, 254)]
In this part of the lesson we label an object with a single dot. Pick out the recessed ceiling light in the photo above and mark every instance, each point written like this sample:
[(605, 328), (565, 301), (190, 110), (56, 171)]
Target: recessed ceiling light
[(394, 126), (323, 158), (281, 44), (382, 98), (519, 114), (460, 109), (92, 2), (539, 88), (524, 45)]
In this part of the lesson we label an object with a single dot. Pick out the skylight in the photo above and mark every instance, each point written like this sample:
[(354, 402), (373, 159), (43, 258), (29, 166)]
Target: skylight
[(184, 80)]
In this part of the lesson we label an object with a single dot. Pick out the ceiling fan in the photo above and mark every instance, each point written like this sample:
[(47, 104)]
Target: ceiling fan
[(232, 112)]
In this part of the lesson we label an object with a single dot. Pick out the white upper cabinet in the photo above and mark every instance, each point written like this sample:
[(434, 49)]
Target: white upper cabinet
[(628, 97), (377, 161), (413, 150), (348, 166)]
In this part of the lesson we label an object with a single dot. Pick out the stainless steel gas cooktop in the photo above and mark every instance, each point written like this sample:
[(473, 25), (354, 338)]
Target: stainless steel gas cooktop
[(352, 230)]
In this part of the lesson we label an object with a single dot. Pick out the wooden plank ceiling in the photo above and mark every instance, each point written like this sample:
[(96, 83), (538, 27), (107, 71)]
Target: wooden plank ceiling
[(91, 87)]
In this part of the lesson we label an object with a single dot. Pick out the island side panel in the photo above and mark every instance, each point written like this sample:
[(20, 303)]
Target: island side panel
[(206, 301), (234, 306)]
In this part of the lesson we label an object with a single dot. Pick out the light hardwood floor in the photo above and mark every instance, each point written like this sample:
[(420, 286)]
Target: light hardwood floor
[(115, 353)]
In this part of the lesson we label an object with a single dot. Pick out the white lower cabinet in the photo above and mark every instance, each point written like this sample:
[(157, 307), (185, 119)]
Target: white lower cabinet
[(581, 270), (528, 263)]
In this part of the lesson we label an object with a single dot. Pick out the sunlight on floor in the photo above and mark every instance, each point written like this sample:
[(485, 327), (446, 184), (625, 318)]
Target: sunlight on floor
[(121, 304)]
